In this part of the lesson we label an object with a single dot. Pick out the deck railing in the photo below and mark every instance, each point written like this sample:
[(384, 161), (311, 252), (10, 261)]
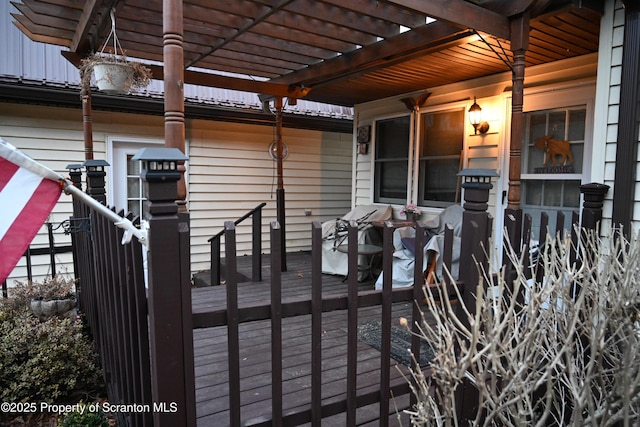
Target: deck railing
[(256, 246), (51, 250)]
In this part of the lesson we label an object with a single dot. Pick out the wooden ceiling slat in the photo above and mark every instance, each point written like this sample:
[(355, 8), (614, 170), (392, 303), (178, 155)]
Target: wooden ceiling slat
[(249, 25), (323, 28), (314, 54), (45, 20), (51, 39), (320, 11), (41, 31), (382, 10), (303, 38)]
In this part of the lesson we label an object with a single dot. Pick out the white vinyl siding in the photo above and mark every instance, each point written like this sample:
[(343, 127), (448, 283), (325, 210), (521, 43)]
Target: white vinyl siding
[(229, 171), (607, 104)]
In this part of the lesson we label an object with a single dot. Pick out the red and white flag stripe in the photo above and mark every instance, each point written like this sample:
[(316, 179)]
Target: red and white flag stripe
[(26, 200)]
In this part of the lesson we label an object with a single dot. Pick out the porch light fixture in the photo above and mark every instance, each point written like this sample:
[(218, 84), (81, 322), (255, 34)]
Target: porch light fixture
[(475, 117)]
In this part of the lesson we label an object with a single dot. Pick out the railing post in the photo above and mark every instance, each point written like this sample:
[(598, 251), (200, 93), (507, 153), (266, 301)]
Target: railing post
[(172, 375), (474, 243), (95, 179), (592, 205)]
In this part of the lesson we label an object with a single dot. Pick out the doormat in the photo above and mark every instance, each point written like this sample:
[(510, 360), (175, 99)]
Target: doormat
[(370, 333)]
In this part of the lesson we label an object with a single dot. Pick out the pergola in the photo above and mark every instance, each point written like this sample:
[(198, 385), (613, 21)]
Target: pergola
[(340, 52)]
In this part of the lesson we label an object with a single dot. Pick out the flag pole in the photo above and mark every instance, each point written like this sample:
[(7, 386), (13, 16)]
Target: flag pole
[(17, 157), (129, 228)]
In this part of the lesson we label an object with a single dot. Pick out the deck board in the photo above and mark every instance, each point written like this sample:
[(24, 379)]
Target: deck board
[(211, 359)]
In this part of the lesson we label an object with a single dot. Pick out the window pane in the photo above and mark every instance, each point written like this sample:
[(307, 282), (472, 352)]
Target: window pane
[(553, 193), (571, 197), (440, 180), (557, 124), (133, 166), (441, 138), (392, 179), (391, 160), (533, 192), (442, 134), (133, 206), (392, 138), (133, 187), (577, 120)]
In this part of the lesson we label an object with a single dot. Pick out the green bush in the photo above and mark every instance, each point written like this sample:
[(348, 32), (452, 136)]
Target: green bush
[(50, 361), (86, 418)]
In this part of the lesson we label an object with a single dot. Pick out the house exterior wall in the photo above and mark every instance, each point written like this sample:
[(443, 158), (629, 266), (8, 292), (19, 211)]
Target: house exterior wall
[(575, 77), (229, 171), (607, 110)]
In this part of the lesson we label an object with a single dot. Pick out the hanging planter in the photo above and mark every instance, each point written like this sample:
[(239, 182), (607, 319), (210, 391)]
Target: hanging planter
[(112, 72)]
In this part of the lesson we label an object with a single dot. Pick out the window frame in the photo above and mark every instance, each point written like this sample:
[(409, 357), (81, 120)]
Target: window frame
[(375, 183), (413, 161), (556, 98)]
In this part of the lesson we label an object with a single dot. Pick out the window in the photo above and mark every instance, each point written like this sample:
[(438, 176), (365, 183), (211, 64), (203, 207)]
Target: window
[(134, 187), (437, 154), (391, 170), (550, 180), (441, 142)]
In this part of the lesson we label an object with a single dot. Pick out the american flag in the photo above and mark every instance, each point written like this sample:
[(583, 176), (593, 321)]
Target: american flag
[(28, 193)]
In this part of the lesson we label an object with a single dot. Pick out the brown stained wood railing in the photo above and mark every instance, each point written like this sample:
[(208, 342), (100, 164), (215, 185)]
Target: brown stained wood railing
[(256, 246), (278, 308)]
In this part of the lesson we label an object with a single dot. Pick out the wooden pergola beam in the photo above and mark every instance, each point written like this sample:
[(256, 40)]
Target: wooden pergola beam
[(462, 14), (420, 41)]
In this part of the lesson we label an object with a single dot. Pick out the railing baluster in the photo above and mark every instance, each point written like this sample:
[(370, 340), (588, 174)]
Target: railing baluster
[(276, 325), (316, 324), (233, 335), (352, 323)]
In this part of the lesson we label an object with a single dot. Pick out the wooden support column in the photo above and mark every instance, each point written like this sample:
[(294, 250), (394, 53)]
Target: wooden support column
[(280, 205), (173, 57), (519, 45), (87, 120)]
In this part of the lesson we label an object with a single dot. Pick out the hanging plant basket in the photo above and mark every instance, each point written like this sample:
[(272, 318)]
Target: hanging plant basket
[(112, 72), (113, 77)]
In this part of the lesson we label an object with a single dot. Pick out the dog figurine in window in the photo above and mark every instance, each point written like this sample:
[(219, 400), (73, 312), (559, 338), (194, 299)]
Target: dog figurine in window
[(553, 148)]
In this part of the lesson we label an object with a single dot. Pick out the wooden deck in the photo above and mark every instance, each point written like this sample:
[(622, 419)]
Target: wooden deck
[(211, 361)]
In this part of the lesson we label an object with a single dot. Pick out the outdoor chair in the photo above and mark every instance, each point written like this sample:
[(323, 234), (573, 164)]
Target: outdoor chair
[(404, 245), (334, 235)]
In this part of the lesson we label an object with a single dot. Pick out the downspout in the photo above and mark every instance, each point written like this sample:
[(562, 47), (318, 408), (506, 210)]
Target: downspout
[(627, 142)]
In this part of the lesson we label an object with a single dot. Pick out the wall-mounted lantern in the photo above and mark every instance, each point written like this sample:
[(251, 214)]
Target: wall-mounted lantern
[(475, 117)]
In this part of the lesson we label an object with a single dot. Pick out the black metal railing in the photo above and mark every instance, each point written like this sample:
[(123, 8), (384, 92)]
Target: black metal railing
[(52, 250), (256, 246)]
